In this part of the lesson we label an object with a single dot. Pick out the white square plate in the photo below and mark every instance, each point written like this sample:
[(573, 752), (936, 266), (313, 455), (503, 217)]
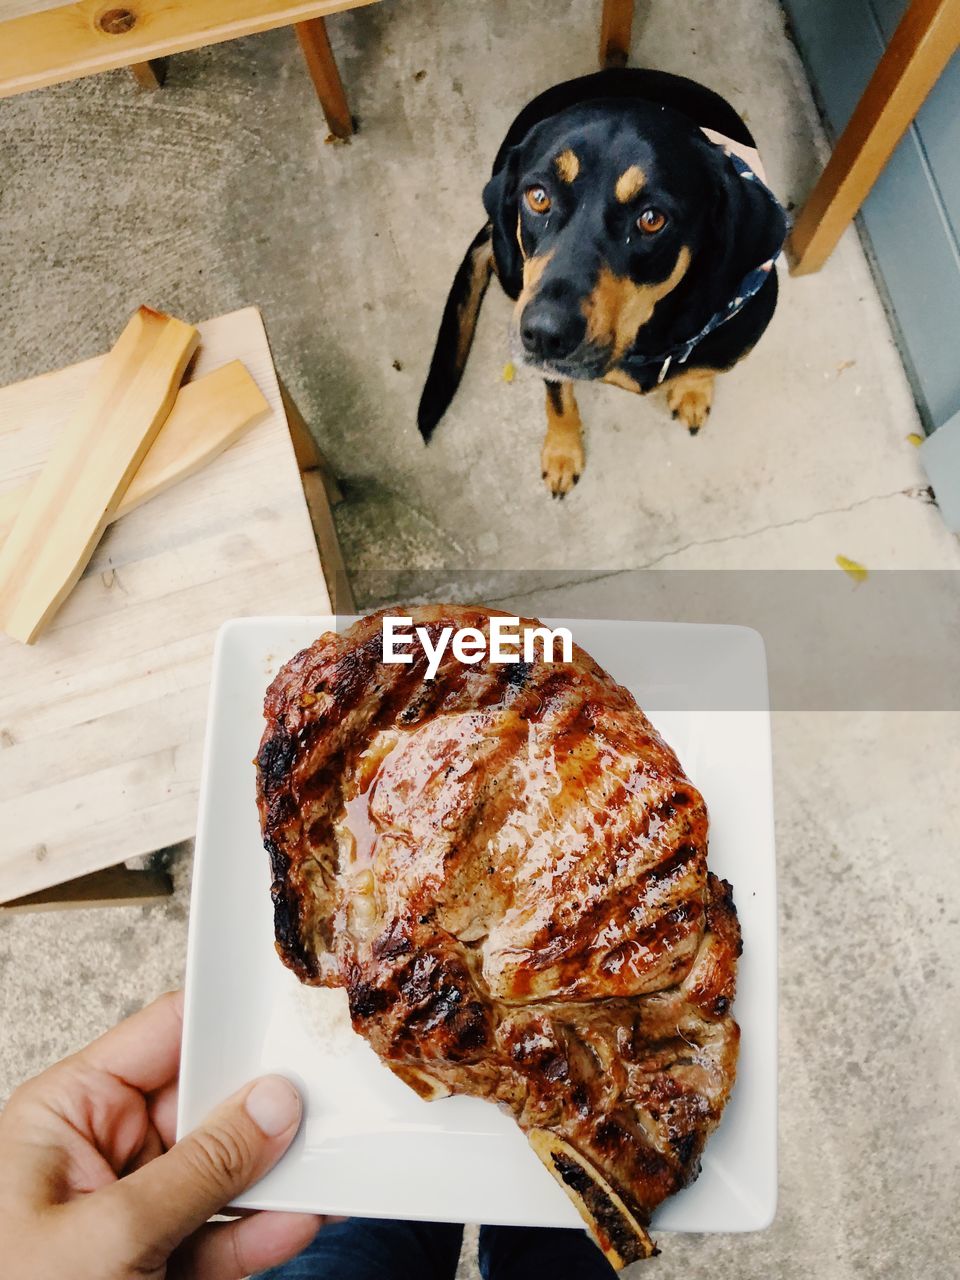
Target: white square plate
[(368, 1145)]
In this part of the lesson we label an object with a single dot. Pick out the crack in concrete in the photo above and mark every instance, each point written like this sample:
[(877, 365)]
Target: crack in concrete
[(915, 491), (921, 493)]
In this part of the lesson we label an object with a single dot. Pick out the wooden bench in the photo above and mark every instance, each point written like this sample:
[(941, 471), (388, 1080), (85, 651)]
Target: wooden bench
[(43, 42)]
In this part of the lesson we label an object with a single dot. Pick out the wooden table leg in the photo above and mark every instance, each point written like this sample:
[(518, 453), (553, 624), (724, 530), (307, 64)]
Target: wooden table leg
[(304, 446), (921, 46), (308, 453), (322, 492), (615, 26), (149, 75), (315, 44), (112, 887)]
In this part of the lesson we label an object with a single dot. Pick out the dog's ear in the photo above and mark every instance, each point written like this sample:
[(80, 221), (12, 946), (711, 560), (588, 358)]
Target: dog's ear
[(747, 227), (500, 199)]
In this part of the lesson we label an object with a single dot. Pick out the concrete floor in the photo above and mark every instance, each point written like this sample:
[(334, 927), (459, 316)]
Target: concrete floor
[(220, 192)]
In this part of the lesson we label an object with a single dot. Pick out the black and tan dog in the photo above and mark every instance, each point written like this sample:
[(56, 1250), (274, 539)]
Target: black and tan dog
[(628, 220)]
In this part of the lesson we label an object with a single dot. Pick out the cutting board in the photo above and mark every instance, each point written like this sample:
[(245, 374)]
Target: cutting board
[(101, 723)]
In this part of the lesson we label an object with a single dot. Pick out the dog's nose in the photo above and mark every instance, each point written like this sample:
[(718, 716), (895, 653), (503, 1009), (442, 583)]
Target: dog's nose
[(549, 331)]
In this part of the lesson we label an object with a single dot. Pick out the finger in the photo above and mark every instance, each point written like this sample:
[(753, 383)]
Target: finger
[(230, 1250), (151, 1148), (162, 1109), (156, 1207), (143, 1051), (48, 1155)]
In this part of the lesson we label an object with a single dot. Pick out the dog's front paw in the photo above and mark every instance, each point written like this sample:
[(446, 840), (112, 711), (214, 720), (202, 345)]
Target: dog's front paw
[(691, 402), (562, 462)]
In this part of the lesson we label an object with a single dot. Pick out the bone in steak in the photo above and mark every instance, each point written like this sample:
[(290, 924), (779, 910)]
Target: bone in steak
[(506, 868)]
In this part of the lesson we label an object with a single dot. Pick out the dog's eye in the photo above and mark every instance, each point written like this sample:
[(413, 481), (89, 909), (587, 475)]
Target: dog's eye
[(537, 199), (651, 221)]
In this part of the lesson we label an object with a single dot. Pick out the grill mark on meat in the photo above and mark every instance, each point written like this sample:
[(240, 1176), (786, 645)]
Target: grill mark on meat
[(517, 673), (392, 945), (320, 832), (274, 759), (353, 670), (366, 1000), (684, 1146), (672, 927), (648, 927), (282, 812), (421, 702), (664, 873), (287, 922), (279, 862), (439, 1002), (606, 851)]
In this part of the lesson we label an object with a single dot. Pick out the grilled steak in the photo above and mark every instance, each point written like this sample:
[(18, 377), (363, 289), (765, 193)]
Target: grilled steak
[(506, 868)]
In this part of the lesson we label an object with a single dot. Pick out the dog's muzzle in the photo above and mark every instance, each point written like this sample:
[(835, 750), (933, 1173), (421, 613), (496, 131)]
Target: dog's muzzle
[(551, 337), (549, 330)]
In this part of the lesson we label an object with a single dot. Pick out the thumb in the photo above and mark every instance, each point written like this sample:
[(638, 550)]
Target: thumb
[(160, 1204)]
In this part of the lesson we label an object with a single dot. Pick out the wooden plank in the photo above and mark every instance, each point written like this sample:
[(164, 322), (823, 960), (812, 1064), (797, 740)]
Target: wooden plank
[(321, 490), (98, 714), (63, 821), (132, 832), (208, 416), (21, 8), (121, 676), (616, 24), (154, 770), (920, 48), (149, 76), (305, 447), (70, 503), (112, 887), (95, 746), (309, 454), (68, 704), (69, 41), (325, 75), (328, 544)]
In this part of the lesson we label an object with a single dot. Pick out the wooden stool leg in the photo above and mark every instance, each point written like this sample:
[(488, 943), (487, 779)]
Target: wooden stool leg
[(921, 46), (321, 491), (315, 44), (305, 448), (615, 26), (149, 75)]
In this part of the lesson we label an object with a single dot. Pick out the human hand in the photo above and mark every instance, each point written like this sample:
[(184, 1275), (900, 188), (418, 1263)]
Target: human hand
[(92, 1186)]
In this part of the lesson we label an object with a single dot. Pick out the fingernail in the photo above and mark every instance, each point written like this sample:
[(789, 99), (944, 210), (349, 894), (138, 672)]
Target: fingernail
[(273, 1105)]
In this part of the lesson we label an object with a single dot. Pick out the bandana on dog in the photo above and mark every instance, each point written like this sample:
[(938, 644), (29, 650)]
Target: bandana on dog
[(746, 161)]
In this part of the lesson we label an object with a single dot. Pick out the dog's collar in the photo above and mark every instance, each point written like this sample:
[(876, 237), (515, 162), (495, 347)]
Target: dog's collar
[(749, 155), (746, 161)]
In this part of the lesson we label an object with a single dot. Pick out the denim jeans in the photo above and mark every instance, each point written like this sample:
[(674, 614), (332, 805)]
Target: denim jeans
[(378, 1249)]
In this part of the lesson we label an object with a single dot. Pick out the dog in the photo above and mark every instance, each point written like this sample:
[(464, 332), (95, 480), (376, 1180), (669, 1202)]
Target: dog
[(629, 221)]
